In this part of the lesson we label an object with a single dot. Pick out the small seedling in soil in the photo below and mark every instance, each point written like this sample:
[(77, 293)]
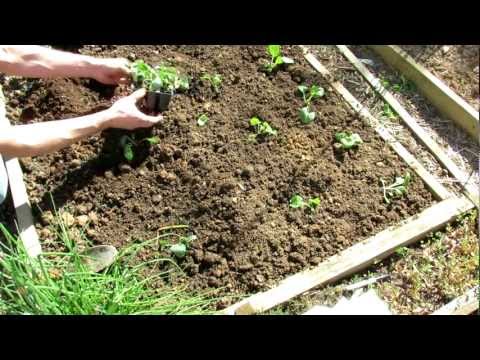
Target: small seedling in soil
[(389, 112), (127, 144), (202, 120), (347, 140), (275, 51), (397, 189), (262, 128), (214, 80), (310, 94), (161, 82), (297, 202), (180, 249), (307, 115)]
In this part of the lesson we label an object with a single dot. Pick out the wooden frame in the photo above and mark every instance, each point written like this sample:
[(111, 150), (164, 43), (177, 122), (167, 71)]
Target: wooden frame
[(463, 305), (374, 249), (469, 190), (26, 228), (440, 95)]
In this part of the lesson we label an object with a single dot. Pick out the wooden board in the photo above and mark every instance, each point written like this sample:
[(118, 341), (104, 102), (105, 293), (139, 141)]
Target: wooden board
[(440, 95), (355, 258), (471, 191), (464, 305), (439, 191), (26, 228)]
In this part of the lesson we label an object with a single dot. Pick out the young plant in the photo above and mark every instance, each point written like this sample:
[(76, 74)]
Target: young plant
[(275, 51), (202, 120), (158, 79), (310, 94), (348, 140), (262, 128), (297, 202), (214, 80), (397, 189), (389, 112), (307, 115), (180, 249), (127, 144)]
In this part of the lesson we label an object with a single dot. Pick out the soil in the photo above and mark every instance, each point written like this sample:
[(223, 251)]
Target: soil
[(232, 193), (456, 65)]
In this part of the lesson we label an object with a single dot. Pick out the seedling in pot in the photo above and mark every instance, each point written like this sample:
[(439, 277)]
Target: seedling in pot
[(297, 202), (262, 128), (202, 120), (214, 80), (275, 51), (127, 144), (347, 140), (397, 189), (161, 83), (307, 115)]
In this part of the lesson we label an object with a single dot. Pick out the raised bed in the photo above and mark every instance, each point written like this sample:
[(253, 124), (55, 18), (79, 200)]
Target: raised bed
[(234, 193)]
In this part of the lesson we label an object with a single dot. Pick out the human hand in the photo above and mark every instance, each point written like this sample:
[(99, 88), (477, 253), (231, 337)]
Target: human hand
[(124, 114), (111, 71)]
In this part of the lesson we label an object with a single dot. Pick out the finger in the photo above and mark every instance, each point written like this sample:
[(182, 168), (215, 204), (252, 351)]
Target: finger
[(139, 94), (151, 119)]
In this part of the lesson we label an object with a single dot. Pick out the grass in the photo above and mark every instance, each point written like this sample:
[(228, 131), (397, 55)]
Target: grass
[(60, 284), (442, 268)]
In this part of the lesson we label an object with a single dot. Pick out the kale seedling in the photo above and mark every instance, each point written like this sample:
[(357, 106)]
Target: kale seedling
[(180, 249), (389, 112), (202, 120), (127, 144), (397, 189), (215, 81), (275, 51), (307, 115), (262, 128), (161, 78), (348, 140), (297, 202)]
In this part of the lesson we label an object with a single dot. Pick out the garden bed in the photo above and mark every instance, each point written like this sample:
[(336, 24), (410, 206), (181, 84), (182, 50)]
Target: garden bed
[(233, 193)]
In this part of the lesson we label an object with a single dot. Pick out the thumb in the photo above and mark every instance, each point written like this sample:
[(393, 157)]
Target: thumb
[(139, 94)]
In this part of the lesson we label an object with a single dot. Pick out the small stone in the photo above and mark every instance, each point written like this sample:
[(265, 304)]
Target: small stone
[(182, 118), (83, 220), (93, 217), (109, 174), (156, 199), (248, 171), (44, 233), (91, 233), (125, 168), (141, 172), (132, 57), (76, 162), (211, 258), (47, 218), (245, 267), (67, 219), (380, 164), (260, 278), (296, 257), (445, 49), (166, 176)]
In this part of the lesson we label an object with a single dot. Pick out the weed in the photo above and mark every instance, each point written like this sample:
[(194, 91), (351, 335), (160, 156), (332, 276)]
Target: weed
[(214, 80), (127, 144), (262, 128), (297, 202), (397, 189), (202, 120)]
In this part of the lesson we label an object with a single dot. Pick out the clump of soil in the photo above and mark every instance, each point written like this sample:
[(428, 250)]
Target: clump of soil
[(232, 193)]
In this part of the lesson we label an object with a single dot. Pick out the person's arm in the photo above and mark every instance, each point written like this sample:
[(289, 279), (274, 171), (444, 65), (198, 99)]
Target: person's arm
[(42, 138), (41, 62)]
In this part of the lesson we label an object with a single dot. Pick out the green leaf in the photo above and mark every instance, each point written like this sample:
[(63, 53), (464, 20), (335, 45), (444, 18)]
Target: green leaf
[(274, 50), (348, 140), (303, 89), (316, 91), (255, 121), (313, 203), (306, 115), (296, 202), (278, 61), (179, 250), (153, 140), (202, 120), (128, 152), (156, 85)]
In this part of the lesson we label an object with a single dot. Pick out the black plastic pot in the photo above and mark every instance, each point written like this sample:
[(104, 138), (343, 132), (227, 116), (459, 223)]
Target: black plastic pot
[(158, 101)]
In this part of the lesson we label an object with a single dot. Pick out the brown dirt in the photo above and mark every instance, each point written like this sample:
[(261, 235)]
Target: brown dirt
[(456, 65), (233, 194)]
